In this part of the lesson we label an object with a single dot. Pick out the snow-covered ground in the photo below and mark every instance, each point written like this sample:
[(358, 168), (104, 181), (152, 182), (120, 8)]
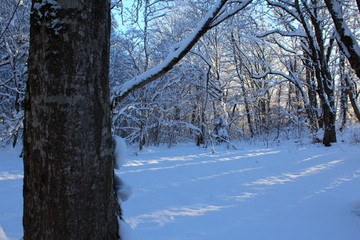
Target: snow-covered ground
[(286, 192)]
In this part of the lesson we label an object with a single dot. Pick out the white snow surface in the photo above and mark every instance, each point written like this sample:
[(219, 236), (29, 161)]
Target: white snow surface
[(289, 192)]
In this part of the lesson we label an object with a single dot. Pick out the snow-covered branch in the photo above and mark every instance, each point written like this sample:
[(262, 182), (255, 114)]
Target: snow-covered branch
[(292, 78), (295, 33), (217, 14)]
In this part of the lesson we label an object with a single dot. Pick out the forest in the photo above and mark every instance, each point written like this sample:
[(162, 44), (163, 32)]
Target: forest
[(274, 70), (207, 78)]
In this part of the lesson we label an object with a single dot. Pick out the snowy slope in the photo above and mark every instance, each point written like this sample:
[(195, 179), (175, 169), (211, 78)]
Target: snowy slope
[(289, 192)]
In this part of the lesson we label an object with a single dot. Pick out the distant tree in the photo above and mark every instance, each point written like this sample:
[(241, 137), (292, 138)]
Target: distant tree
[(317, 44), (68, 160)]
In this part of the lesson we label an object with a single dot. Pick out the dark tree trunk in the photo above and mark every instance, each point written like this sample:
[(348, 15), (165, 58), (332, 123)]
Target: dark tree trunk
[(200, 137), (343, 92), (68, 162), (329, 125), (248, 113), (351, 91), (347, 42), (311, 91)]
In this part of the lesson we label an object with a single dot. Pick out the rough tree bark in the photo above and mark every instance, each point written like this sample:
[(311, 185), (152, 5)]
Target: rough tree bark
[(68, 163)]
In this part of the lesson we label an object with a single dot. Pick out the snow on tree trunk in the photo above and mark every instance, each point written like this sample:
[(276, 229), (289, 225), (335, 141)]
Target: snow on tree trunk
[(119, 151), (347, 42), (123, 190), (221, 129), (68, 158)]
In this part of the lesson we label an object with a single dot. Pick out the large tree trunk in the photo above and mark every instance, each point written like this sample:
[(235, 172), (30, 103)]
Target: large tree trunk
[(68, 163)]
